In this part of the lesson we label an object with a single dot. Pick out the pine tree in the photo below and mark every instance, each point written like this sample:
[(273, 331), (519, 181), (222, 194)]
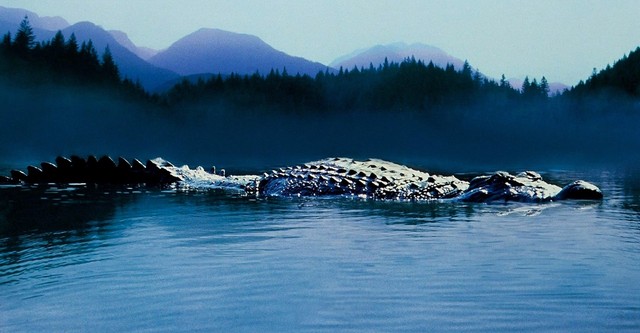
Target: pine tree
[(477, 78), (72, 45), (57, 43), (544, 87), (55, 51), (526, 86), (87, 51), (466, 69), (504, 83), (25, 38), (88, 59), (109, 67), (6, 42)]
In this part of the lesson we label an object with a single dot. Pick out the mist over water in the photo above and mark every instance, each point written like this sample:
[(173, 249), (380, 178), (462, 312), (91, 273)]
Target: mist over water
[(78, 259), (44, 122)]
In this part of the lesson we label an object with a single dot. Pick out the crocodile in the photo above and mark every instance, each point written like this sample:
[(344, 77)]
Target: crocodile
[(372, 178)]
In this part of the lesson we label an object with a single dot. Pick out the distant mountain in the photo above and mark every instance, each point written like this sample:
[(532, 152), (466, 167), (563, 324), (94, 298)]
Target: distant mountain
[(130, 65), (396, 52), (557, 87), (43, 27), (142, 52), (15, 15), (218, 51)]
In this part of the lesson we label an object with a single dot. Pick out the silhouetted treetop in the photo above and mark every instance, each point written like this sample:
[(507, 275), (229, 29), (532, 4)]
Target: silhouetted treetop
[(622, 78), (109, 67), (60, 61), (25, 38), (408, 85)]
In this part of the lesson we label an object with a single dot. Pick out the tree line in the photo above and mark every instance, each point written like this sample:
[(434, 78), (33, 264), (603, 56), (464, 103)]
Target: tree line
[(623, 78), (61, 61), (409, 85)]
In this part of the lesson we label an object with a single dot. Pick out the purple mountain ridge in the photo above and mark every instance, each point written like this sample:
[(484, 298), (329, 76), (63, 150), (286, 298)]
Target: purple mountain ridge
[(396, 52), (43, 27), (213, 51), (14, 16), (130, 65), (122, 38), (218, 51)]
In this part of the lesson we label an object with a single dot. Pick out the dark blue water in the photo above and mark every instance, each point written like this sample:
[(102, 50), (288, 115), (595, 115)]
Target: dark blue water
[(124, 260)]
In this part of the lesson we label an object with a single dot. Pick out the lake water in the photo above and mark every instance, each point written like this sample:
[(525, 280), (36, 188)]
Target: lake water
[(124, 260)]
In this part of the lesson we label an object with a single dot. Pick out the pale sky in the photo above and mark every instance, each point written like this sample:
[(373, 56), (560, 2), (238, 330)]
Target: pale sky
[(560, 39)]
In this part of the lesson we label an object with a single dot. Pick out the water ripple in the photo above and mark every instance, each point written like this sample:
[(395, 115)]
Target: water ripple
[(166, 261)]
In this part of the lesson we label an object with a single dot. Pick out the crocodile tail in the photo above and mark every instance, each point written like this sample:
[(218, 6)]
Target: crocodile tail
[(93, 170)]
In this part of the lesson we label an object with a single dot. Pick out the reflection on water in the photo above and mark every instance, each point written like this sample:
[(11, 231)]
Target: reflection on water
[(50, 209), (76, 259)]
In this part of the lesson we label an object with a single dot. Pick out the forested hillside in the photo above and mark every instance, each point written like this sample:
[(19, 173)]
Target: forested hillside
[(60, 61), (60, 98), (623, 78)]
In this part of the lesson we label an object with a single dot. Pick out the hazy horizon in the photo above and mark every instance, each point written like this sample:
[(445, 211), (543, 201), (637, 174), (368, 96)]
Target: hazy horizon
[(562, 40)]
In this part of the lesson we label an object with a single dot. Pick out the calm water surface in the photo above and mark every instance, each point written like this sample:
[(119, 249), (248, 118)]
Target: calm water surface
[(110, 260)]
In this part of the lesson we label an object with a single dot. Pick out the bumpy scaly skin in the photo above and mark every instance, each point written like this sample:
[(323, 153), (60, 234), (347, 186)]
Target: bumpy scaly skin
[(372, 178), (385, 180), (502, 186)]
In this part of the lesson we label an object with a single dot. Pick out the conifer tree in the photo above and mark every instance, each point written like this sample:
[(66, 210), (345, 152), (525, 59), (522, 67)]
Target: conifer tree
[(504, 83), (109, 67), (544, 87), (6, 42), (526, 86), (72, 45), (57, 43), (466, 69), (477, 78), (25, 38)]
